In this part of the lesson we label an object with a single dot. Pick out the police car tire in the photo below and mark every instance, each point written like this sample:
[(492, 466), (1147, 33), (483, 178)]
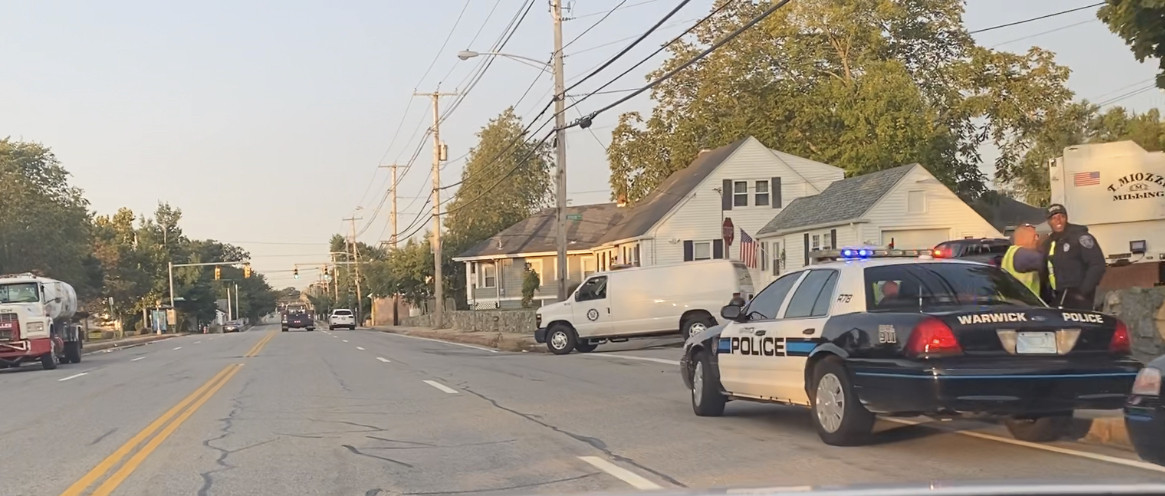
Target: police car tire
[(569, 337), (585, 346), (1040, 430), (686, 327), (857, 423), (708, 401)]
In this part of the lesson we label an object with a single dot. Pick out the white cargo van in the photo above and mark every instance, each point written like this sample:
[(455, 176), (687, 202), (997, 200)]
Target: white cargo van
[(642, 301)]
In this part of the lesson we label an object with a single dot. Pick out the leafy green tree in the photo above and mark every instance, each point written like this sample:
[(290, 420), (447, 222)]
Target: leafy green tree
[(864, 85), (1141, 23), (530, 284)]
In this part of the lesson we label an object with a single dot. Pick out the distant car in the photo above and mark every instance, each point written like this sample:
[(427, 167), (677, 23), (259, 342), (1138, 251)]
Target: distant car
[(983, 250), (1145, 414), (866, 336), (342, 317), (298, 320), (232, 326)]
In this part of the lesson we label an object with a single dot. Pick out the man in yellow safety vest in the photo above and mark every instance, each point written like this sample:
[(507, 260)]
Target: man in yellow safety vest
[(1023, 259)]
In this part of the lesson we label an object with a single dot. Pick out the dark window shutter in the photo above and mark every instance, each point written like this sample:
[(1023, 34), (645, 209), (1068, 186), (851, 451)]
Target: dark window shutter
[(775, 191), (718, 249), (726, 195), (806, 249), (833, 239), (689, 251)]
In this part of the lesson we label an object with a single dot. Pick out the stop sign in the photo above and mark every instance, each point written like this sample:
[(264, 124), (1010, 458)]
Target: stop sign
[(728, 231)]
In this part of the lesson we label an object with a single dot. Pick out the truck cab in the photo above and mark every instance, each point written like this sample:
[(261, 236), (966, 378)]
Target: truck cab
[(36, 322)]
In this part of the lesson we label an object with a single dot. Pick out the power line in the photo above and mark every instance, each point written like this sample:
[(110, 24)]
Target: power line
[(1045, 16), (446, 42), (608, 12), (1036, 35), (1127, 95), (1122, 88), (620, 40), (484, 23), (596, 23)]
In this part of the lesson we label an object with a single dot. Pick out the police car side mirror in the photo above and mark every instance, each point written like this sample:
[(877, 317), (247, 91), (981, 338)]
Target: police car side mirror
[(731, 312)]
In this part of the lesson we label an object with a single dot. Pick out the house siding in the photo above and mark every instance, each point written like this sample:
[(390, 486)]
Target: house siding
[(508, 293), (943, 210), (699, 216)]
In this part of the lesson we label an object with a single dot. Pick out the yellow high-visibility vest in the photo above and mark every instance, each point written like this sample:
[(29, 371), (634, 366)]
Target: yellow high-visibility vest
[(1029, 279), (1051, 270)]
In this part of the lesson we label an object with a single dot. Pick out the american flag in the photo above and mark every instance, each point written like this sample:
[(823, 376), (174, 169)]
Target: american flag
[(1087, 178), (747, 250)]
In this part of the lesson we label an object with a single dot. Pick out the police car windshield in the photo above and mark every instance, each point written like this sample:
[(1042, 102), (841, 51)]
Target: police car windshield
[(923, 286)]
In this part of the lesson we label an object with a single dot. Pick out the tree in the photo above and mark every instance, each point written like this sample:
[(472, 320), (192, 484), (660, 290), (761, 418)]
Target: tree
[(44, 221), (864, 85), (530, 284), (1141, 23)]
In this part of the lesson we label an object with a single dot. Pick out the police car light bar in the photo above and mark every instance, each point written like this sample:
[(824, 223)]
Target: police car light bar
[(865, 253)]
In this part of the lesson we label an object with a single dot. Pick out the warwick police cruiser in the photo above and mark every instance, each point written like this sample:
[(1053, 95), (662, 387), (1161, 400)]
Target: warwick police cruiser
[(889, 332)]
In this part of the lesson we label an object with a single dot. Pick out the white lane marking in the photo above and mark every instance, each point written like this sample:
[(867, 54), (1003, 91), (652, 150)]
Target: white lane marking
[(177, 348), (463, 345), (74, 376), (385, 360), (632, 357), (442, 387), (1128, 462), (636, 481), (198, 342), (361, 348), (344, 340), (138, 358)]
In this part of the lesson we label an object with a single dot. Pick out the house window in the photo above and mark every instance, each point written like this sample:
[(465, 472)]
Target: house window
[(740, 194), (702, 250), (762, 193), (916, 202), (489, 275), (816, 242)]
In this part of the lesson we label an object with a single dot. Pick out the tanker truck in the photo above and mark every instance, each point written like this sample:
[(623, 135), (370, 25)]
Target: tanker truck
[(36, 321)]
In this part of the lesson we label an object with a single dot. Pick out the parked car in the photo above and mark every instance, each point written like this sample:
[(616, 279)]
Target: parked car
[(985, 250), (342, 317), (861, 337), (1145, 414), (642, 301)]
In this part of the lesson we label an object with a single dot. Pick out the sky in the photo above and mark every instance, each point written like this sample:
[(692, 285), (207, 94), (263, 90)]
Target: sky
[(265, 121)]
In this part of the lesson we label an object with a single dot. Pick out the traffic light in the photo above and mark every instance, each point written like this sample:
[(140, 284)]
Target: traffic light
[(295, 272), (246, 271), (217, 273)]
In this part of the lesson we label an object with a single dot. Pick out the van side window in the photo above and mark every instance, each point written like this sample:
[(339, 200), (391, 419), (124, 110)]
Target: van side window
[(594, 289), (766, 304), (808, 300)]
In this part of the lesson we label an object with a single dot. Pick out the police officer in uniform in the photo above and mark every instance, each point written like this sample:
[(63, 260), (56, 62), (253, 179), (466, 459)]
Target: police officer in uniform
[(1023, 258), (1075, 262)]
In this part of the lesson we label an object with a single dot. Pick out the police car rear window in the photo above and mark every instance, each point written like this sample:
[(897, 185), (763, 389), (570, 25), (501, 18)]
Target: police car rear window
[(918, 287)]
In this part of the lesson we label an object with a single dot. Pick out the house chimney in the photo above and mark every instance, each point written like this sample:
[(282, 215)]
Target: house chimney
[(621, 200)]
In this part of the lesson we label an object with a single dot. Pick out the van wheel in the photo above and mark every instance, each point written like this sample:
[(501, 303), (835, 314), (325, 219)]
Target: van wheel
[(1040, 430), (585, 346), (707, 400), (561, 339), (839, 417), (695, 325)]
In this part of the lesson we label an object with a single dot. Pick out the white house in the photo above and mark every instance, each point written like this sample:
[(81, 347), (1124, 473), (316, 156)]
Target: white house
[(681, 219), (905, 207)]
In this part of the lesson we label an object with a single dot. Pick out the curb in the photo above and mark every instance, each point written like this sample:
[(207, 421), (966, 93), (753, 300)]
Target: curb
[(500, 341), (126, 343)]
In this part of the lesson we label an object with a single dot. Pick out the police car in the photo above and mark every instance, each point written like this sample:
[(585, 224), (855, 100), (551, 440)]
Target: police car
[(890, 332)]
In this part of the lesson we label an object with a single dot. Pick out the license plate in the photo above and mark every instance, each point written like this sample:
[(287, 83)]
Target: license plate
[(1036, 343)]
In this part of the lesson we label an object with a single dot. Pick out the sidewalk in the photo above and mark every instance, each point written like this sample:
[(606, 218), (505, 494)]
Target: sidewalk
[(503, 341), (1106, 427), (94, 346)]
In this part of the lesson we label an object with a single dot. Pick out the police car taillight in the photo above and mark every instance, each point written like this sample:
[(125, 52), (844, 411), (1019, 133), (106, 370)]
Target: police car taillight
[(932, 338), (1120, 340)]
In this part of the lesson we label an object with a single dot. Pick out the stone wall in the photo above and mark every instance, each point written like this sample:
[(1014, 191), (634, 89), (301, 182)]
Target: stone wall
[(516, 321), (1143, 311)]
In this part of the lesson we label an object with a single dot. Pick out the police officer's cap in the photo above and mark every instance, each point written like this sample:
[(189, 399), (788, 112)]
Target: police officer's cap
[(1056, 208)]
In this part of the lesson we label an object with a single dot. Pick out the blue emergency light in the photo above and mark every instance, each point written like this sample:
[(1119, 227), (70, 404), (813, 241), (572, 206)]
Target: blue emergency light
[(851, 253)]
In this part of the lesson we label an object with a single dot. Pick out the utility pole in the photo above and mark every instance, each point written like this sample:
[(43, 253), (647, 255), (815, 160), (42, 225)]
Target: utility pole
[(229, 316), (392, 213), (236, 301), (356, 257), (560, 146), (438, 285)]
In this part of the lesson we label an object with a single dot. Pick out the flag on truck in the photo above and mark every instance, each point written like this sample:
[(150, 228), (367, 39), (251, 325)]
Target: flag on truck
[(747, 250)]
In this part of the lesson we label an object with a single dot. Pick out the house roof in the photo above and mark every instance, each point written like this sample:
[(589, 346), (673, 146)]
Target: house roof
[(647, 212), (537, 234), (843, 200), (1004, 212)]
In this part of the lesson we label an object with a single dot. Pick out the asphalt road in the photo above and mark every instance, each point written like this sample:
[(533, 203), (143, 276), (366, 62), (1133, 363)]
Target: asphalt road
[(367, 413)]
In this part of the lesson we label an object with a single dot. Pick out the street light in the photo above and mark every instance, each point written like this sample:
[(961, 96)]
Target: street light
[(559, 130)]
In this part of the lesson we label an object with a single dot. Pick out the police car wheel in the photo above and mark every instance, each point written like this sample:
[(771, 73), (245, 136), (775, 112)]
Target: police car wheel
[(1040, 430), (707, 400), (561, 340), (839, 417)]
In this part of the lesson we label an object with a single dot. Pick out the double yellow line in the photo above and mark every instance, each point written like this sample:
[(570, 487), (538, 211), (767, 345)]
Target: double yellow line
[(155, 434)]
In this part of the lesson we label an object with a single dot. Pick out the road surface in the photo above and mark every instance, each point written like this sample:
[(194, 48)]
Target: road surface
[(366, 413)]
